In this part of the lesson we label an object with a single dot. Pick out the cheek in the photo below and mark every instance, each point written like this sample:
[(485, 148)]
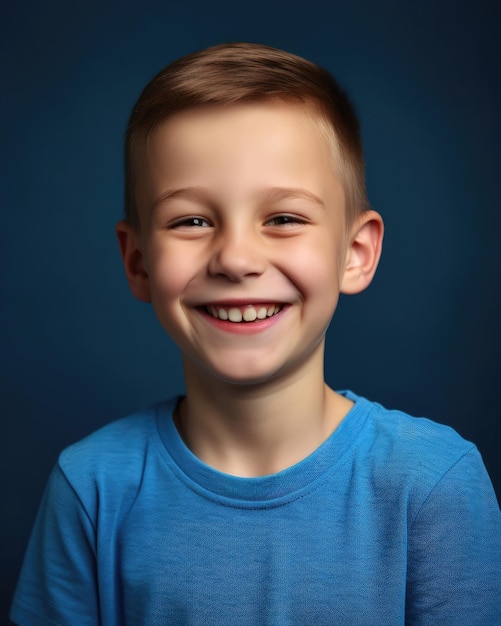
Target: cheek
[(168, 274), (167, 284), (315, 270)]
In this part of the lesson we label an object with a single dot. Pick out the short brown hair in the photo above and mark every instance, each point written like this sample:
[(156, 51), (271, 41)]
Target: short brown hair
[(242, 72)]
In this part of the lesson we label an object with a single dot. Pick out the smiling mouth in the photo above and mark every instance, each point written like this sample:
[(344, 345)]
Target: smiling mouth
[(246, 314)]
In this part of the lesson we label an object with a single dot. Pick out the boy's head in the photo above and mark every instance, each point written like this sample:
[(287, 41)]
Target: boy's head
[(244, 73), (246, 210)]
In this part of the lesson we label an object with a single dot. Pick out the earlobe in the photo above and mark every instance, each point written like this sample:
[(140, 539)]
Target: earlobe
[(132, 257), (363, 253)]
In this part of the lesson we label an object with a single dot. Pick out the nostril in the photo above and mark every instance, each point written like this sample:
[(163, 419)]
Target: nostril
[(236, 263)]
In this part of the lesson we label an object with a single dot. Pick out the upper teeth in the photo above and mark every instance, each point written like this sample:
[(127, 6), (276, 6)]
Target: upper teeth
[(247, 314)]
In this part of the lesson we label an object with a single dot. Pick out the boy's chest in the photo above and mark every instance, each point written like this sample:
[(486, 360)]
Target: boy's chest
[(288, 565)]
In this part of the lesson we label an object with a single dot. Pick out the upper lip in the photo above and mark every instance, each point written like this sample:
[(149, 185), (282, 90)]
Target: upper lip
[(238, 302)]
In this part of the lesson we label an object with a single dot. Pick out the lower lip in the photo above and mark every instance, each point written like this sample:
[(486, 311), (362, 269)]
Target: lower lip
[(243, 328)]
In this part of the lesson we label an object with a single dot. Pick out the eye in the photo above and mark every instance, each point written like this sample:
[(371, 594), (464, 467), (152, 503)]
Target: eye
[(193, 221), (285, 220)]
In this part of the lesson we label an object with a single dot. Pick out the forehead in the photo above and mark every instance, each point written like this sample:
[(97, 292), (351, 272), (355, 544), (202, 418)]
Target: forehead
[(233, 149)]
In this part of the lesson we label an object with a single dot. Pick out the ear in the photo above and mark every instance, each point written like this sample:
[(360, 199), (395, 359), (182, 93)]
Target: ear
[(364, 250), (132, 257)]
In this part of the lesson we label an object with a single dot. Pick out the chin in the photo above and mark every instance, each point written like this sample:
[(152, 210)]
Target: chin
[(244, 379), (243, 376)]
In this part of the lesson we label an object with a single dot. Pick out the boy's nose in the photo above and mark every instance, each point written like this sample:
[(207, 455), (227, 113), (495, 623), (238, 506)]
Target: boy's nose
[(237, 256)]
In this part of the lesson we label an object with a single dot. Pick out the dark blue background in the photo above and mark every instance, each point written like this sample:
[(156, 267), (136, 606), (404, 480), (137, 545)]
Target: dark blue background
[(78, 351)]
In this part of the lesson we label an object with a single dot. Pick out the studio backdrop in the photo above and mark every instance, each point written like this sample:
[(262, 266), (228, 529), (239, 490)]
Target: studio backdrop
[(78, 351)]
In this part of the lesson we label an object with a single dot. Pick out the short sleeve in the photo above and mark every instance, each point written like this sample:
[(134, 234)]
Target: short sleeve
[(454, 559), (57, 584)]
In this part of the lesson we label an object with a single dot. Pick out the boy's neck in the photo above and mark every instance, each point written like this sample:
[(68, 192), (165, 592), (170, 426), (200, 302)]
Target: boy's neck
[(256, 430)]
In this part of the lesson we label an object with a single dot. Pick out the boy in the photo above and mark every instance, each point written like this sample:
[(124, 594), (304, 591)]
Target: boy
[(262, 496)]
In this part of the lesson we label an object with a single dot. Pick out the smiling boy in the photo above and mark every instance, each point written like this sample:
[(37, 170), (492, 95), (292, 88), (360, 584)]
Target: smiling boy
[(262, 496), (242, 215)]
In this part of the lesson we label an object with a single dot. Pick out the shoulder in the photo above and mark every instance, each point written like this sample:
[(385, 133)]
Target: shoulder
[(113, 458), (425, 444), (429, 445), (413, 455)]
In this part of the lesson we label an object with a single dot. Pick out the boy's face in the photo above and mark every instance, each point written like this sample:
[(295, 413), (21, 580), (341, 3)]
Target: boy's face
[(243, 217)]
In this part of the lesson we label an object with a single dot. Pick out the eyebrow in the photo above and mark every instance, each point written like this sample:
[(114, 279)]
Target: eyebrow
[(275, 194), (271, 195), (190, 193)]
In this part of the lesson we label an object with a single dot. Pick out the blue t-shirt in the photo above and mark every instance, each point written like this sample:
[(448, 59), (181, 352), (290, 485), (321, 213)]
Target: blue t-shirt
[(392, 520)]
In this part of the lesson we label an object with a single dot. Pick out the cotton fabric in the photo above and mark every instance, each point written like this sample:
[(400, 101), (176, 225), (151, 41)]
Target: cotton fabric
[(392, 520)]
